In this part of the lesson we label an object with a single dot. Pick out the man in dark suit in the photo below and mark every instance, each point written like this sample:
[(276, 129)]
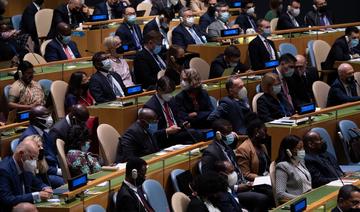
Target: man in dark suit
[(113, 8), (343, 89), (218, 150), (348, 199), (147, 62), (233, 107), (105, 85), (62, 47), (207, 18), (17, 180), (40, 123), (141, 138), (73, 13), (261, 49), (131, 196), (343, 48), (158, 5), (28, 21), (247, 18), (288, 20), (319, 15), (322, 166), (187, 32), (130, 32)]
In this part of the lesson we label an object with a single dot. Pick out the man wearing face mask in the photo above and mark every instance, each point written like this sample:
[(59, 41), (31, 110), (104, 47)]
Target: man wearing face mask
[(235, 103), (322, 165), (131, 196), (348, 199), (105, 85), (147, 62), (187, 32), (113, 8), (288, 20), (207, 18), (62, 47), (247, 18), (129, 31), (158, 5), (17, 181), (261, 49), (343, 49), (40, 123), (222, 21), (319, 15), (230, 59), (343, 89), (141, 138)]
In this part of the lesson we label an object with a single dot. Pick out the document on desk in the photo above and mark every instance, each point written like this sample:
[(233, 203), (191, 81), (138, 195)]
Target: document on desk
[(340, 183), (355, 60), (262, 180)]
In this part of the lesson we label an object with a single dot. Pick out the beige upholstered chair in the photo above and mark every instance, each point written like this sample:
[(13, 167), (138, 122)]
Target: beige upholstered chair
[(160, 74), (34, 59), (62, 159), (321, 91), (254, 101), (43, 20), (273, 180), (179, 202), (58, 91), (144, 6), (321, 51), (201, 66), (109, 140), (357, 78), (273, 24), (169, 36), (43, 47)]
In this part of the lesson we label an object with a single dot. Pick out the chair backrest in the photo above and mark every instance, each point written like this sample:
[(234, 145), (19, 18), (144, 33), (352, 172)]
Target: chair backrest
[(109, 140), (285, 48), (321, 91), (34, 59), (273, 24), (321, 50), (95, 208), (200, 66), (14, 144), (169, 36), (144, 6), (156, 195), (326, 138), (357, 78), (43, 20), (43, 47), (174, 173), (58, 91), (6, 91), (45, 85), (62, 159), (311, 52), (254, 101), (344, 127), (160, 74), (273, 180), (16, 21), (179, 202)]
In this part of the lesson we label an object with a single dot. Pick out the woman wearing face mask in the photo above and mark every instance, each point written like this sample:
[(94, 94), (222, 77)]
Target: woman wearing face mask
[(193, 101), (80, 161), (272, 104), (292, 176), (175, 60)]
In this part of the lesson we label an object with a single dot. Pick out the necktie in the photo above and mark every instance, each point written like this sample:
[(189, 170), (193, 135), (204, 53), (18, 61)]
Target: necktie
[(136, 38), (115, 89), (349, 90), (286, 92), (195, 36), (22, 182), (169, 120), (252, 23), (229, 153), (159, 61), (143, 200), (67, 52), (270, 50)]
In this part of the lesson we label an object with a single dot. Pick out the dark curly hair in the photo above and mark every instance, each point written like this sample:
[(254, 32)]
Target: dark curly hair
[(77, 136)]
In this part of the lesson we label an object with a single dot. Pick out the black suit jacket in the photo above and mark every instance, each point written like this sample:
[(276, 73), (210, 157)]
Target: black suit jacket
[(312, 18), (269, 109), (60, 130), (339, 51), (126, 200), (205, 21), (101, 9), (285, 22), (233, 111), (127, 37), (28, 21), (54, 51), (338, 95), (159, 5), (219, 65), (152, 25), (259, 54), (323, 168), (181, 37), (100, 88), (145, 69), (243, 21)]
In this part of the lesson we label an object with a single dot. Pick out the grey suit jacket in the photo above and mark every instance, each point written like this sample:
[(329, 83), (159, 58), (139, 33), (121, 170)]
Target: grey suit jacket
[(214, 29)]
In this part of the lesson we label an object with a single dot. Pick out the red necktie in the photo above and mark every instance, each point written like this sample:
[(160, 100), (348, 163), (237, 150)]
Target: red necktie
[(67, 52), (169, 120)]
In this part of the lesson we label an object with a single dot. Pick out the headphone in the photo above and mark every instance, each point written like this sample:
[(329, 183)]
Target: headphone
[(218, 136), (19, 73), (161, 16), (134, 174), (288, 152)]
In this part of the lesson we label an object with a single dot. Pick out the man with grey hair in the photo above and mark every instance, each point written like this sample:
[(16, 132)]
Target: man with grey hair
[(343, 89), (319, 15), (187, 32)]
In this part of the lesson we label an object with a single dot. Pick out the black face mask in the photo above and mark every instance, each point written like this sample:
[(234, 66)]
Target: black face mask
[(113, 6), (85, 86), (211, 10), (41, 154), (180, 61), (139, 181), (323, 9), (350, 80)]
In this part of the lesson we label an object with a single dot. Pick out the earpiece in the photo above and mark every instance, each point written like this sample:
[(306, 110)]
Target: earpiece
[(216, 13), (314, 6), (161, 16), (218, 135), (181, 19), (288, 152), (19, 73), (134, 174)]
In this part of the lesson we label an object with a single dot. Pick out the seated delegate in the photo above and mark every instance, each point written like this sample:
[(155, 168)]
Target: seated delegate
[(175, 59)]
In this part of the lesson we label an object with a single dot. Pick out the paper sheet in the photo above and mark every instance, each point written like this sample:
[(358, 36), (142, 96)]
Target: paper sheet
[(263, 180), (338, 183)]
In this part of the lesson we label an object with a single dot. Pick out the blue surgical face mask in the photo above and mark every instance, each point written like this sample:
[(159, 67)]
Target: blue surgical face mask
[(157, 49), (300, 155), (131, 19), (289, 72), (354, 43), (106, 64), (276, 89), (224, 17), (266, 33), (152, 127), (229, 139), (85, 147), (66, 39)]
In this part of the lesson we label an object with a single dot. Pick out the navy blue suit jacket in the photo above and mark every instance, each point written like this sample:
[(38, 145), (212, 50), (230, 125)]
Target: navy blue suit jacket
[(100, 88), (258, 53), (152, 25), (126, 36), (243, 21), (205, 21), (55, 52), (285, 22), (181, 37), (28, 21), (339, 51), (11, 191), (101, 9), (337, 94)]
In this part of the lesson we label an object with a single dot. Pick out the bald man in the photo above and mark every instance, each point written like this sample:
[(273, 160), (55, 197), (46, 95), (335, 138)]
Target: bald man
[(141, 138), (17, 181), (25, 207), (343, 89), (62, 47)]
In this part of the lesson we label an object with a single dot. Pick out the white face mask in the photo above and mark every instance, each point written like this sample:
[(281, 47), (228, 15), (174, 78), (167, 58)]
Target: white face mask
[(174, 2), (251, 11), (184, 85), (48, 121), (189, 21), (276, 89), (106, 64), (166, 97), (232, 179), (30, 166), (300, 155), (242, 93), (295, 12)]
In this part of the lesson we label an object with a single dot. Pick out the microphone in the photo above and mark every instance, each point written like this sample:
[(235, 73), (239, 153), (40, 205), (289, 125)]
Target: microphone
[(91, 52), (334, 167), (182, 126)]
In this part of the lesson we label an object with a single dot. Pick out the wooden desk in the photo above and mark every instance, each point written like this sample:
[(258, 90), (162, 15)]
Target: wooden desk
[(5, 140), (354, 64)]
